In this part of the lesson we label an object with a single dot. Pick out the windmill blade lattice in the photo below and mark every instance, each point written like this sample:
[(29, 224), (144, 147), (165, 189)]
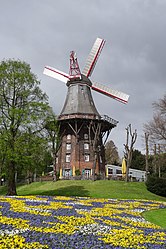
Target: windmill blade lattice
[(55, 73), (93, 56), (75, 74), (120, 96)]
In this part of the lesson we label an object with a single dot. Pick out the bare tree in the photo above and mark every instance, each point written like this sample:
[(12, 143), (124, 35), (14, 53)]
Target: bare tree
[(147, 153), (94, 136), (130, 141), (157, 126)]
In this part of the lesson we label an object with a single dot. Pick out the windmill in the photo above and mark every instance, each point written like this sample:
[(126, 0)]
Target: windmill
[(82, 128)]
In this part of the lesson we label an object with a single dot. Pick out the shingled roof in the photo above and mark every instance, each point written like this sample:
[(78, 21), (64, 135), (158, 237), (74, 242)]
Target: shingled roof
[(79, 99)]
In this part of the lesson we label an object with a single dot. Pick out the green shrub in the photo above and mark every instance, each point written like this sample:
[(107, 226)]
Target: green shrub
[(156, 185), (77, 172)]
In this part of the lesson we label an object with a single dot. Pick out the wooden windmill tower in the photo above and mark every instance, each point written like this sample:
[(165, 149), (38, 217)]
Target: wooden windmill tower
[(83, 130)]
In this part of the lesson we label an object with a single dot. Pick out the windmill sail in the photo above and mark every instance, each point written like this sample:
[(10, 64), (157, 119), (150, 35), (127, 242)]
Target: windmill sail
[(74, 73), (93, 56), (120, 96), (55, 73)]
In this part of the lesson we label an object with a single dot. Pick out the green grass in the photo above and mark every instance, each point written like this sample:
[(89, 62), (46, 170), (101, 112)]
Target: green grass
[(97, 189), (157, 217)]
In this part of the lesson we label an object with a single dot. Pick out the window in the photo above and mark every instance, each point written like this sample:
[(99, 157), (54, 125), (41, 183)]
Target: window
[(67, 158), (68, 146), (68, 137), (86, 146), (110, 171), (86, 157), (85, 136), (118, 171)]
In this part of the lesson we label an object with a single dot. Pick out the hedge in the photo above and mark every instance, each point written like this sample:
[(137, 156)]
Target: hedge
[(156, 185)]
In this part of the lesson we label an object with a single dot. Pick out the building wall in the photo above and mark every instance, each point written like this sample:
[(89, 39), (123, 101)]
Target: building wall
[(113, 171), (76, 153)]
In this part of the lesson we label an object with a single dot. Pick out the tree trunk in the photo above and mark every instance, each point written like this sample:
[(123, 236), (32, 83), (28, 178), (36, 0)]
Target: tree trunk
[(155, 159), (11, 186), (147, 154), (159, 161), (129, 157), (129, 148), (94, 167), (54, 167), (54, 173)]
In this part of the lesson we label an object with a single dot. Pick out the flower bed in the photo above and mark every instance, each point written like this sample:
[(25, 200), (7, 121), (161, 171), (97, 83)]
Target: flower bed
[(77, 222)]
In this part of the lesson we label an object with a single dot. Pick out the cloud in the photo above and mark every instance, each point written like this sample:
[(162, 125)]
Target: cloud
[(133, 59)]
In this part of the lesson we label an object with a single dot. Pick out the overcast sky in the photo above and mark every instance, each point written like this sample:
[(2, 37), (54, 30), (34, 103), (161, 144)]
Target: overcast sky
[(43, 32)]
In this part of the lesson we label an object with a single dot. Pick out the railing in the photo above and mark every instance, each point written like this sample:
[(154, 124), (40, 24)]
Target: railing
[(110, 120)]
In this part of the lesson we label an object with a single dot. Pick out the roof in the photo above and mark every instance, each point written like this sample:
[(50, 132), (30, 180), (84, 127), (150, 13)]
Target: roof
[(79, 99)]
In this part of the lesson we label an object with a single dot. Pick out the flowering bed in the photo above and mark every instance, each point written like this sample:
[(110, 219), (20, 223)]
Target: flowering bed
[(77, 222)]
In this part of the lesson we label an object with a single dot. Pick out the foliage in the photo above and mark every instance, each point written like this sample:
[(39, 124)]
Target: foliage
[(156, 185), (52, 133), (34, 156), (157, 165), (22, 108), (138, 160), (77, 172), (111, 153)]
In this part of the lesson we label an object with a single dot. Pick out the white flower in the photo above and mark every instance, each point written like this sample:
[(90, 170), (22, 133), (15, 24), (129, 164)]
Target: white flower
[(39, 209), (12, 232), (94, 229)]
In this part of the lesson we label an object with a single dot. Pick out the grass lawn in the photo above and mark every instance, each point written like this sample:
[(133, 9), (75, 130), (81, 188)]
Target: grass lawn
[(157, 217), (97, 189), (87, 188)]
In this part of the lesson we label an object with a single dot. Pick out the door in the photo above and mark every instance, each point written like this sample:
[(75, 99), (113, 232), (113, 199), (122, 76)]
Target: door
[(87, 173), (67, 173)]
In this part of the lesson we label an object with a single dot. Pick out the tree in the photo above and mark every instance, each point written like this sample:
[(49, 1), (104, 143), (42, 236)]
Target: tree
[(147, 154), (94, 141), (52, 129), (33, 155), (138, 160), (130, 141), (111, 153), (22, 107), (156, 128)]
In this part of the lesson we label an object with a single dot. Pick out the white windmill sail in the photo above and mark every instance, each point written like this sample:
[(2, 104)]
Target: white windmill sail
[(55, 73), (93, 57), (89, 67), (120, 96)]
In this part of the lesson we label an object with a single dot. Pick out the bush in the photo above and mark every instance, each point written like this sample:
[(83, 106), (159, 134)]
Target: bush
[(156, 185), (77, 172)]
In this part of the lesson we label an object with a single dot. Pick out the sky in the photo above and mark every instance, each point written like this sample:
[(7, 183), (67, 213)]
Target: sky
[(133, 60)]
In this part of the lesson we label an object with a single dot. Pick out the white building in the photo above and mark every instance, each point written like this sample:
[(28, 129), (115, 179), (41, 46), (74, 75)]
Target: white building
[(115, 172)]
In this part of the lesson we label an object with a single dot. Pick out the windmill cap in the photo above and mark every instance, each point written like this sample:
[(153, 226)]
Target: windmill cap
[(83, 80)]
